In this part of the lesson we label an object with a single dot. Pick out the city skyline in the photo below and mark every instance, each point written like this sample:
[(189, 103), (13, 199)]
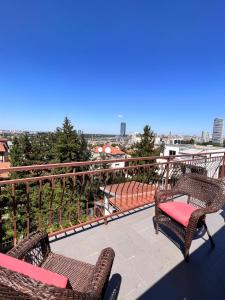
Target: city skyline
[(101, 64)]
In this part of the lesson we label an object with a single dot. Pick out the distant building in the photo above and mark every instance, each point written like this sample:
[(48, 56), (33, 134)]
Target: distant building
[(217, 137), (186, 152), (134, 138), (108, 152), (168, 140), (4, 160), (4, 149), (123, 129), (205, 137)]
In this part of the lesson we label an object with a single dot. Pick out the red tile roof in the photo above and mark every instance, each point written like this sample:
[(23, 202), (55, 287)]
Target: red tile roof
[(4, 165), (3, 140), (2, 147), (108, 149), (130, 194)]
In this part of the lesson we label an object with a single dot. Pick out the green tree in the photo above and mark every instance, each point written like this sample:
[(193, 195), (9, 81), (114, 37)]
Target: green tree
[(145, 147), (84, 153), (42, 148), (67, 146), (64, 145), (16, 153)]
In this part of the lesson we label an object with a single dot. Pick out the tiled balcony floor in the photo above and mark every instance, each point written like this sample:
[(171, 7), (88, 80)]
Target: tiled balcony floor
[(150, 265)]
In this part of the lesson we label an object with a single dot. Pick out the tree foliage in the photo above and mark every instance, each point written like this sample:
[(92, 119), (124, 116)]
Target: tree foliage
[(63, 145), (145, 147)]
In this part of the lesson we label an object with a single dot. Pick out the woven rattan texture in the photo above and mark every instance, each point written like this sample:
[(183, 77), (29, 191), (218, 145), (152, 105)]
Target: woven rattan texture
[(206, 194), (86, 281)]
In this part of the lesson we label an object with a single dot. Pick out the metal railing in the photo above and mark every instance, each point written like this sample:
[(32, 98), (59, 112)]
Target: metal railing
[(62, 197)]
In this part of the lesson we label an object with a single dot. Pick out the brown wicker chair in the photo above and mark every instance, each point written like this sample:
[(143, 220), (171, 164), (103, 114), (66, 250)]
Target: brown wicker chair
[(205, 195), (87, 281)]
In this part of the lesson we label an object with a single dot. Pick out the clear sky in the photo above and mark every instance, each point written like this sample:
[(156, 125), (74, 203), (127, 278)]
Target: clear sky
[(160, 63)]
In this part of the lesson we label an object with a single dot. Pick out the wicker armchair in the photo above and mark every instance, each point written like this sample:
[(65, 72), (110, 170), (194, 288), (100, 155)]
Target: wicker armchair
[(204, 196), (86, 281)]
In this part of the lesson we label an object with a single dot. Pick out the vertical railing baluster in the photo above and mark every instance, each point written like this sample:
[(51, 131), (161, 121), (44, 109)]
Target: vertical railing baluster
[(14, 214), (71, 199), (138, 185), (128, 192), (142, 186), (87, 196), (63, 184), (223, 168), (1, 223), (28, 207), (40, 205), (78, 201), (122, 196), (167, 172), (103, 182), (147, 186), (91, 194), (52, 185)]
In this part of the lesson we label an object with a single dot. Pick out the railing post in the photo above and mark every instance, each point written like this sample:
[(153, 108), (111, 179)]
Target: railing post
[(28, 207), (105, 221), (167, 172), (1, 231), (222, 176), (14, 215)]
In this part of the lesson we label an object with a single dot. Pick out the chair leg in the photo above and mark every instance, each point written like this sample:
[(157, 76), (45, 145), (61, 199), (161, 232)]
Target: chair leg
[(156, 225), (186, 255), (209, 235)]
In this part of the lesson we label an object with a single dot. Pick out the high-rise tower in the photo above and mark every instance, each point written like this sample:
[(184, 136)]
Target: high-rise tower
[(123, 129), (217, 137)]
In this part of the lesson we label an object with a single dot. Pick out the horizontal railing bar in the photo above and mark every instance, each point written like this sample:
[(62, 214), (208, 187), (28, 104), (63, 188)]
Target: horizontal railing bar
[(87, 163), (96, 172)]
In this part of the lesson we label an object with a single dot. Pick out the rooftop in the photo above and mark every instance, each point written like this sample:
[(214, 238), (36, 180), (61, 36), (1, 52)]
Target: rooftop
[(150, 266), (108, 149), (4, 165), (2, 147), (129, 194)]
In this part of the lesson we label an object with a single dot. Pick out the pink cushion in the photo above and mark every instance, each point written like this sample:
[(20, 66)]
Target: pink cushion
[(179, 211), (33, 271)]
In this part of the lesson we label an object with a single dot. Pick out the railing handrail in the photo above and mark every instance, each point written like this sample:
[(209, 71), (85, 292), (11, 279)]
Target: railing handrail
[(99, 171), (99, 162)]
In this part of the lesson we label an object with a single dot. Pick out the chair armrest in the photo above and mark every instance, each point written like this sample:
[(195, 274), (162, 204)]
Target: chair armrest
[(34, 248), (101, 273)]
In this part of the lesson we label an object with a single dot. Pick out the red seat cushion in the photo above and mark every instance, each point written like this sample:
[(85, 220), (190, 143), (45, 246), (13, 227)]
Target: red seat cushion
[(33, 271), (179, 211)]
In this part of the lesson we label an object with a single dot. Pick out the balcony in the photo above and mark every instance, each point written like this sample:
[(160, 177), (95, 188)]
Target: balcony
[(87, 206), (149, 266)]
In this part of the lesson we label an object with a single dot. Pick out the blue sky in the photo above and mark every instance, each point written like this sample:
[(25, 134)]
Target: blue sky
[(160, 63)]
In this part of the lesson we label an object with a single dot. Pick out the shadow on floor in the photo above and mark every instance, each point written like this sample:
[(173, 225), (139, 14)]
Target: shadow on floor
[(202, 278), (113, 287)]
